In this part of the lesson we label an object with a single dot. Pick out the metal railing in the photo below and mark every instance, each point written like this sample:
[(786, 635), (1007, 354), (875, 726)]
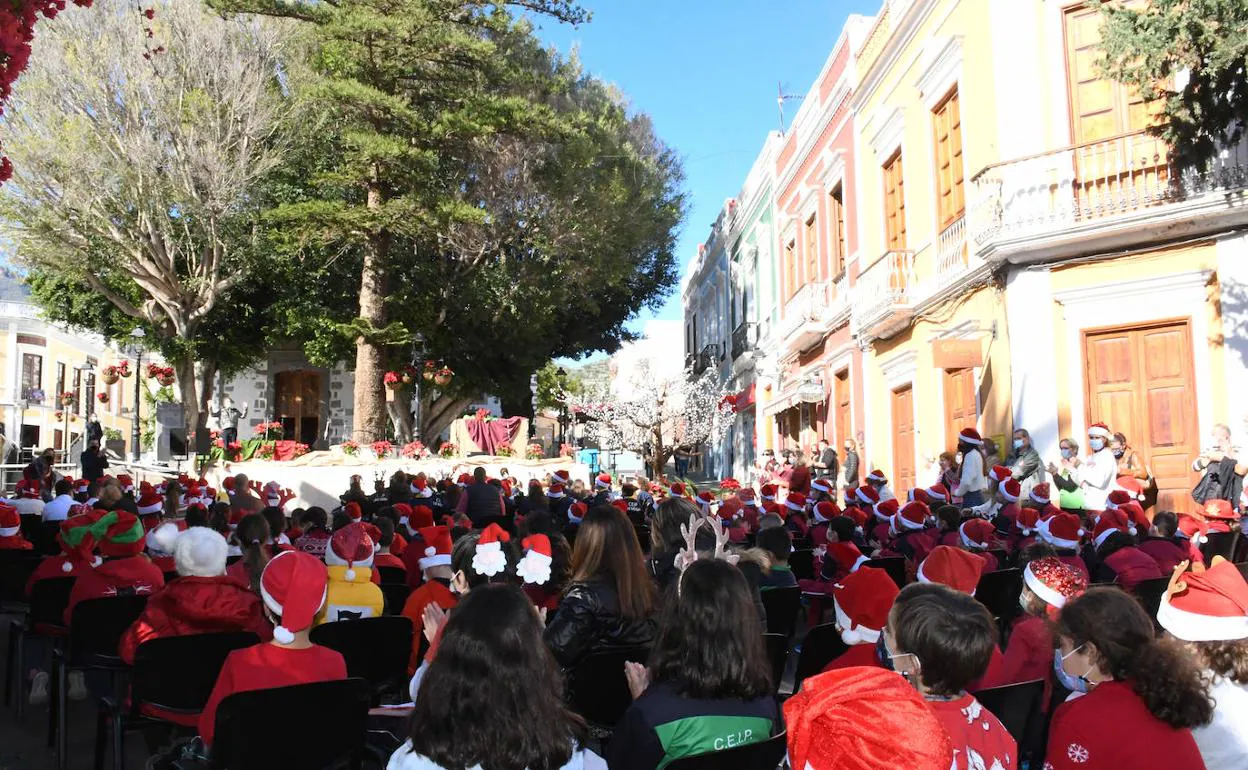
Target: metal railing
[(744, 338)]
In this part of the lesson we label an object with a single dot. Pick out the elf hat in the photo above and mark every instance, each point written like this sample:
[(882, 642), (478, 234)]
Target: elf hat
[(970, 436), (420, 487), (912, 516), (123, 534), (1041, 494), (1209, 606), (1053, 581), (438, 547), (577, 511), (602, 481), (885, 510), (846, 555), (821, 485), (10, 521), (976, 533), (350, 547), (877, 476), (534, 568), (1062, 531), (769, 491), (938, 492), (293, 587), (953, 567), (77, 540), (353, 511), (1109, 523), (1028, 520), (849, 719), (867, 495), (200, 552), (489, 559), (1000, 473), (1011, 490), (796, 501), (825, 510), (1100, 429), (149, 503), (862, 600)]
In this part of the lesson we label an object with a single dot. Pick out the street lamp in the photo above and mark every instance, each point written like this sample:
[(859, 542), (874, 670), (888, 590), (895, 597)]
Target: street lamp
[(418, 364), (66, 443), (563, 408), (136, 350)]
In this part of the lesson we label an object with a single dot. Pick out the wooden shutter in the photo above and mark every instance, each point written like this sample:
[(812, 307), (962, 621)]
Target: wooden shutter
[(960, 409), (951, 198), (840, 391), (836, 221), (894, 204), (903, 440), (811, 246)]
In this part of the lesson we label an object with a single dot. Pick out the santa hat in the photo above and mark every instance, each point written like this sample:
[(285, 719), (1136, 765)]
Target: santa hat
[(534, 567), (577, 511), (1000, 473), (602, 481), (1219, 509), (374, 533), (161, 539), (953, 567), (1100, 429), (77, 540), (1117, 498), (867, 495), (1135, 515), (704, 499), (678, 489), (463, 480), (293, 587), (420, 487), (1028, 520), (846, 555), (350, 547), (403, 512), (127, 483), (438, 547), (1209, 606), (771, 507), (28, 488), (555, 492), (1053, 581), (228, 484), (877, 476), (843, 717), (273, 494), (561, 476), (938, 493), (769, 491), (825, 510), (746, 496), (123, 534), (1040, 493), (1197, 530), (1108, 523), (859, 515), (1011, 490), (489, 559), (796, 501), (422, 516), (885, 510), (821, 485), (10, 521), (970, 436), (976, 533), (1062, 531), (862, 600), (353, 511), (149, 503), (620, 504), (200, 552), (81, 486), (912, 516)]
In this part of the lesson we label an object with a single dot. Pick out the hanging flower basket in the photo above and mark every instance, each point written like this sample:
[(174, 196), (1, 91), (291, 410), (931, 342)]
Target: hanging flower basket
[(110, 375), (443, 377), (166, 379), (431, 369), (102, 398), (393, 381), (123, 369), (67, 398)]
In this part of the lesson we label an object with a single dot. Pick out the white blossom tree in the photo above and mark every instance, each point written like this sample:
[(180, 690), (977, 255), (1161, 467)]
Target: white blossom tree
[(655, 416)]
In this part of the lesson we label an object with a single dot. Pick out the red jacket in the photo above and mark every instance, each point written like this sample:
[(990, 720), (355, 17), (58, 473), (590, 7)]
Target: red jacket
[(132, 572), (1030, 652), (857, 655), (1166, 552), (388, 560), (196, 605), (15, 543), (412, 554), (1111, 727), (1131, 565)]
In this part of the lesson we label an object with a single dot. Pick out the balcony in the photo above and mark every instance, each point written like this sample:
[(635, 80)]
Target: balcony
[(1113, 193), (882, 303), (691, 362), (708, 358), (744, 339), (801, 327), (834, 310)]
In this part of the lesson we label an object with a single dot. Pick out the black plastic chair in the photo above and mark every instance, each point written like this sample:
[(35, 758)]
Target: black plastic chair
[(821, 646), (334, 716), (999, 591), (1220, 544), (1149, 593), (395, 595), (778, 654), (392, 575), (375, 649), (95, 630), (762, 755), (45, 617), (597, 689), (782, 606), (1018, 706), (16, 567), (803, 564), (175, 675), (895, 566)]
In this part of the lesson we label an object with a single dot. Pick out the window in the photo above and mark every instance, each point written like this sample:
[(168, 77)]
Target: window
[(60, 378), (894, 204), (78, 387), (1100, 108), (951, 201), (811, 245), (32, 377), (790, 269), (836, 221)]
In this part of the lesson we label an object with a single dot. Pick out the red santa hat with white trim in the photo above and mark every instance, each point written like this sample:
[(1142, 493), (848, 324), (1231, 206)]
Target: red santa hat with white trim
[(953, 567), (1011, 490), (150, 503), (1053, 581), (561, 476), (825, 510), (1028, 520), (976, 534), (1000, 473), (577, 511), (970, 436), (768, 492), (602, 481), (1109, 523), (1209, 606), (877, 476), (747, 497), (847, 555), (293, 587), (796, 501), (862, 600), (438, 547), (705, 499), (1100, 429), (938, 493), (822, 485), (555, 492), (126, 482), (534, 566), (10, 521), (867, 495), (420, 488), (1041, 493), (353, 511), (912, 517), (489, 559), (28, 488), (885, 510), (350, 547), (81, 486), (1062, 531)]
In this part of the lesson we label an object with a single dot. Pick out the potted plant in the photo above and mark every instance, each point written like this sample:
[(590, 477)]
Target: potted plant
[(110, 375), (382, 449), (350, 448), (413, 450), (123, 369), (431, 369), (448, 450), (300, 450), (392, 380), (102, 397), (67, 398), (443, 377), (166, 377), (534, 452), (505, 450), (409, 374)]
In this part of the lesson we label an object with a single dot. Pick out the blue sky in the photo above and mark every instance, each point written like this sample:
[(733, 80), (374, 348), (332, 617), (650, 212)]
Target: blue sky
[(707, 72)]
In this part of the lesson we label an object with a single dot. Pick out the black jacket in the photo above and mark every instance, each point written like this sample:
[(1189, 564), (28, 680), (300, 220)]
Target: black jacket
[(588, 620)]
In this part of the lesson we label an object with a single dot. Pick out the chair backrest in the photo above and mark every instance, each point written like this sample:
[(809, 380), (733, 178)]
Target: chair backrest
[(395, 596), (763, 755), (803, 564), (782, 605), (375, 649), (999, 590), (821, 646), (177, 673), (1243, 569), (778, 654), (1220, 544), (1014, 704), (16, 567), (1150, 591), (597, 689), (895, 566), (96, 627), (48, 600), (333, 716), (392, 575), (44, 538)]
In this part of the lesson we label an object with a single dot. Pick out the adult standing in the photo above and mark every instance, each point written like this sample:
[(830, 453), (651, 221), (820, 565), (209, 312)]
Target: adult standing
[(228, 416), (799, 479), (95, 431), (93, 461), (851, 464), (1132, 466), (481, 500), (1224, 470), (827, 464), (1024, 462), (973, 480), (1099, 469)]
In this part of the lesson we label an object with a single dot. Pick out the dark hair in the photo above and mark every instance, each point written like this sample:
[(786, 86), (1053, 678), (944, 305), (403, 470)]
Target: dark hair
[(1160, 671), (62, 487), (220, 522), (276, 519), (776, 542), (196, 516), (540, 523), (316, 516), (1166, 523), (252, 534), (222, 509), (387, 530), (341, 519), (1227, 659), (844, 528), (493, 696), (478, 474), (950, 517), (1037, 550), (628, 490), (607, 549), (665, 525), (1113, 542), (461, 561), (951, 634), (1121, 439), (708, 645), (769, 520), (93, 489)]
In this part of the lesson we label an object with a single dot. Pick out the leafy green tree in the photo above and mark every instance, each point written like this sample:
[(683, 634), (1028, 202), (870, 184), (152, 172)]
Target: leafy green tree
[(1192, 56)]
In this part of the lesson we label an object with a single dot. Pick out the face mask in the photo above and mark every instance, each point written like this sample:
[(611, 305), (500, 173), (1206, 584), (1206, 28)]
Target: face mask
[(1022, 602), (1072, 683), (883, 655), (1097, 444), (1067, 454), (1018, 443), (1117, 452)]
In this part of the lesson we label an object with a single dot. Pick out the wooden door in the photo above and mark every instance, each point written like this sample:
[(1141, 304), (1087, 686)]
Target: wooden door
[(960, 409), (903, 439), (1139, 382), (844, 417), (299, 405)]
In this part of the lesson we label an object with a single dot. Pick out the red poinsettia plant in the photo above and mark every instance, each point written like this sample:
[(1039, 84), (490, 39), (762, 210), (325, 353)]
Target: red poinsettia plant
[(392, 380), (67, 398), (413, 450), (382, 448), (102, 397)]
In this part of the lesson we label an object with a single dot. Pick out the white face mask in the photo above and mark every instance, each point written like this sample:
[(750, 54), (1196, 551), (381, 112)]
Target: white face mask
[(1097, 444), (1018, 443)]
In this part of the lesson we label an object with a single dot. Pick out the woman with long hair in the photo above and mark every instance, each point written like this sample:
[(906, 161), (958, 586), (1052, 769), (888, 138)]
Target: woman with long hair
[(252, 537), (708, 673), (1143, 694), (611, 598), (666, 539), (493, 697), (973, 476)]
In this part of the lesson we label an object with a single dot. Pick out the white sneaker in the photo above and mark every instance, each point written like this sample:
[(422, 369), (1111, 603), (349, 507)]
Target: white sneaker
[(39, 689), (77, 686)]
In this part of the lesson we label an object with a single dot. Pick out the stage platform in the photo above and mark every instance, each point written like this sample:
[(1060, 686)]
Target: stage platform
[(318, 478)]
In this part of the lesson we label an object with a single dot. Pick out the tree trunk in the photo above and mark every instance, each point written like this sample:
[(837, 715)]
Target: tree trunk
[(400, 411), (195, 382), (440, 415), (369, 423)]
